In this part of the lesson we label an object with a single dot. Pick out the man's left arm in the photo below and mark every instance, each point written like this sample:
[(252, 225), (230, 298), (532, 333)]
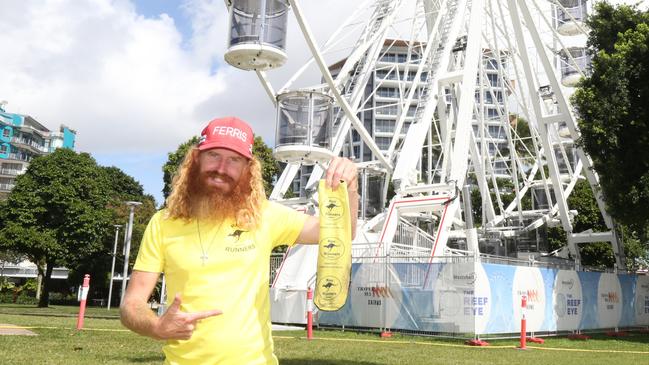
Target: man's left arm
[(340, 169)]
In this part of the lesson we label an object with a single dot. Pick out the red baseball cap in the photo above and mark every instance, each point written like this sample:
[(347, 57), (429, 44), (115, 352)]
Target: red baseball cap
[(229, 132)]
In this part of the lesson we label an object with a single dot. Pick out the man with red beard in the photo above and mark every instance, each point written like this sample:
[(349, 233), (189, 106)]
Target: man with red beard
[(213, 243)]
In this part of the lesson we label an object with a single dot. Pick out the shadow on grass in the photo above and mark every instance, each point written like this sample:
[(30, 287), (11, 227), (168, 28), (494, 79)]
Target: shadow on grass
[(323, 362), (631, 336), (21, 306), (145, 359)]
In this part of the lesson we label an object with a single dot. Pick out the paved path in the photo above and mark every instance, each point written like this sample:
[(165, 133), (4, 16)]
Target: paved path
[(9, 329)]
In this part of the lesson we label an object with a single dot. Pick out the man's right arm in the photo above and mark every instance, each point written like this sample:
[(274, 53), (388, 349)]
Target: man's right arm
[(135, 312)]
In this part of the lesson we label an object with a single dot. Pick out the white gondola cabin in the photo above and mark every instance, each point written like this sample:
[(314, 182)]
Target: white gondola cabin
[(570, 16), (304, 127), (257, 34)]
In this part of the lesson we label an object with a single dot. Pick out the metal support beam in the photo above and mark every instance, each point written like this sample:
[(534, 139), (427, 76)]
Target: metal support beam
[(358, 125)]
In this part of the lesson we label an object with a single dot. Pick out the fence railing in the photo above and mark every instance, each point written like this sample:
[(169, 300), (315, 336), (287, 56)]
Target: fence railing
[(275, 263), (401, 253)]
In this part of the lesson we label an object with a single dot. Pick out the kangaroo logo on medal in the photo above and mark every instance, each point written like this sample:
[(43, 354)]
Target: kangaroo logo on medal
[(333, 208)]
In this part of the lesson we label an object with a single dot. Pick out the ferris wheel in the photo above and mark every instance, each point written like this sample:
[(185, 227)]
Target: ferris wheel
[(444, 102)]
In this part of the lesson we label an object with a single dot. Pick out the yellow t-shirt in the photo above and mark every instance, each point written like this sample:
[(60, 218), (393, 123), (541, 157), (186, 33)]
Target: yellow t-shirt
[(233, 279)]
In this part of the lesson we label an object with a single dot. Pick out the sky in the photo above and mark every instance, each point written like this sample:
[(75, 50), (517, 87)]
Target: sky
[(136, 78)]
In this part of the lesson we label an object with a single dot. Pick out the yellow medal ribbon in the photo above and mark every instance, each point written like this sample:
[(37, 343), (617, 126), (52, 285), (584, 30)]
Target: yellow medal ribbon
[(335, 248)]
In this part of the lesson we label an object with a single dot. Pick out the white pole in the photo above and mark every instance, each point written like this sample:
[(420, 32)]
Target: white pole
[(163, 297), (124, 240), (132, 206), (112, 267)]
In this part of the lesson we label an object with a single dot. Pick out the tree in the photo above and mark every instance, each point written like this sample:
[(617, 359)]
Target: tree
[(123, 188), (595, 254), (62, 211), (269, 165), (56, 213), (6, 255), (120, 188), (173, 162), (614, 113), (523, 140)]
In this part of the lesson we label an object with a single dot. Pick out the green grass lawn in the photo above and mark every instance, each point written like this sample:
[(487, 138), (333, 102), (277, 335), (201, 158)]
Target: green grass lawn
[(104, 341)]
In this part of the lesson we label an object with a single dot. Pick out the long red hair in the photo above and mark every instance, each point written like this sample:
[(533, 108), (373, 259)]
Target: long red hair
[(188, 200)]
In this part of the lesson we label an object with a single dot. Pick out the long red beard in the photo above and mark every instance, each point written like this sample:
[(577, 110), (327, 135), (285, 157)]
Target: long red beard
[(213, 203)]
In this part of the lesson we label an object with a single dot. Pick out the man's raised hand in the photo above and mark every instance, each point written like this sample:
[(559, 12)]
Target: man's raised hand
[(341, 168)]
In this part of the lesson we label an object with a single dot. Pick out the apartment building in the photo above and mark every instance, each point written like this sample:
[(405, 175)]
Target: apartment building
[(23, 138)]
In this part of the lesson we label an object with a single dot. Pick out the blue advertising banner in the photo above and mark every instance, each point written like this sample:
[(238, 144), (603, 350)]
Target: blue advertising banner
[(476, 298)]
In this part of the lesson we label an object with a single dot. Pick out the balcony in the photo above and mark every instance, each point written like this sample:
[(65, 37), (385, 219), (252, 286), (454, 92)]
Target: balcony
[(32, 145), (19, 157), (11, 172), (401, 58), (7, 186), (29, 271)]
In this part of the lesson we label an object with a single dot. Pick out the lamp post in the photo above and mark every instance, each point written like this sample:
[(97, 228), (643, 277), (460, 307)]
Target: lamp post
[(129, 231), (112, 267)]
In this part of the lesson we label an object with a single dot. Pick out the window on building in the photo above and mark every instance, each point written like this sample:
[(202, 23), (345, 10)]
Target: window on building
[(491, 113), (492, 149), (389, 57), (500, 168), (383, 125), (494, 80), (388, 92), (386, 109), (386, 74), (367, 153), (383, 142), (491, 64), (496, 131), (491, 96)]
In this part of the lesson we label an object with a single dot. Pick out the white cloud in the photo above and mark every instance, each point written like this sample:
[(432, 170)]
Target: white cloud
[(121, 80), (126, 82), (129, 84)]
